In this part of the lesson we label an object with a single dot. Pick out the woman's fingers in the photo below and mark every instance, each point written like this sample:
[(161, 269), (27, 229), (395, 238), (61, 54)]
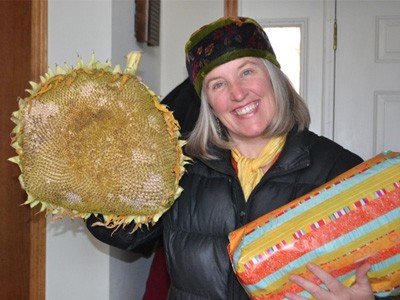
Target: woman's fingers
[(334, 289), (331, 282), (361, 275), (314, 289)]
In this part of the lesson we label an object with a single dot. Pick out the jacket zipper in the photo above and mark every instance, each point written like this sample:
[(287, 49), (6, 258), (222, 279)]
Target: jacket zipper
[(243, 214)]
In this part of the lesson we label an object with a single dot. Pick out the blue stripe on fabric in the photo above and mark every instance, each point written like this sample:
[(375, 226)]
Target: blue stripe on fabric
[(324, 249), (384, 264), (395, 292), (324, 195)]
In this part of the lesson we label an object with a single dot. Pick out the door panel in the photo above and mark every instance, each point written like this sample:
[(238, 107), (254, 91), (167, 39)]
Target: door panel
[(367, 102)]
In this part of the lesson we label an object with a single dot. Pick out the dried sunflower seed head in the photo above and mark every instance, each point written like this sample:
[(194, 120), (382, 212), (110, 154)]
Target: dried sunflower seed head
[(95, 140)]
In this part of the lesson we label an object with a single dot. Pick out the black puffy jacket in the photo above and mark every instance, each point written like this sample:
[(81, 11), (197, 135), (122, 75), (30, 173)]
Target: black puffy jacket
[(196, 228)]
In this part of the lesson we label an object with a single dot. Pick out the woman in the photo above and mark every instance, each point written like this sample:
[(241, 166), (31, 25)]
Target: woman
[(252, 153)]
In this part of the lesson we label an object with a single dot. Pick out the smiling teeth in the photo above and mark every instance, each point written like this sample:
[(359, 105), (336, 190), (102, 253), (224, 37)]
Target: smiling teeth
[(247, 109)]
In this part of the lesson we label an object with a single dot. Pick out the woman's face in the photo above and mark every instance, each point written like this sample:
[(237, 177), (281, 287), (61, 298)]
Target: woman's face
[(241, 96)]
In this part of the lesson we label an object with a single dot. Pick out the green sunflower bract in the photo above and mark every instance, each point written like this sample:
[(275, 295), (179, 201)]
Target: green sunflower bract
[(96, 140)]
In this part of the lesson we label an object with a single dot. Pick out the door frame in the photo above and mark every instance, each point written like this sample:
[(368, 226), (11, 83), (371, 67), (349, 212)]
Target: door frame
[(37, 267), (230, 8)]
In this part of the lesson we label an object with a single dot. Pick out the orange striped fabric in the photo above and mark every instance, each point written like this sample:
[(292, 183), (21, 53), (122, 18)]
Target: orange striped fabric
[(347, 221)]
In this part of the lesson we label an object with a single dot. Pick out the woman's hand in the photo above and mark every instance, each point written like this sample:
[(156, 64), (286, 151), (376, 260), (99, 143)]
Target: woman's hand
[(361, 290)]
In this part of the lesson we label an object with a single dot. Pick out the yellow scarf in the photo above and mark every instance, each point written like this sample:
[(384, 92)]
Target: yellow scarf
[(250, 171)]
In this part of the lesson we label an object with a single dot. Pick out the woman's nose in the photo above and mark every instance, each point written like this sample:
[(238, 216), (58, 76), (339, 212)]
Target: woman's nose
[(237, 91)]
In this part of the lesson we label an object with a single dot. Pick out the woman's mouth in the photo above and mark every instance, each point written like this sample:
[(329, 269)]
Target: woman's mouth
[(246, 109)]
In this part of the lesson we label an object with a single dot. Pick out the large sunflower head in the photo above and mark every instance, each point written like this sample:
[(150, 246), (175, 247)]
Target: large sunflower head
[(95, 140)]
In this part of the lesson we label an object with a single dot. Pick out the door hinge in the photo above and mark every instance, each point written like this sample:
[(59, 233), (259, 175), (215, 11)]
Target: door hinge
[(334, 35)]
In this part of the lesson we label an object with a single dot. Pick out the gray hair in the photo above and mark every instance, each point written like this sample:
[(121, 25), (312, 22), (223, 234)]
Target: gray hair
[(291, 111)]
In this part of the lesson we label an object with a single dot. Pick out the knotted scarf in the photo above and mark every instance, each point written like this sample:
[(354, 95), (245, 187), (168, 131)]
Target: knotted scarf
[(250, 171)]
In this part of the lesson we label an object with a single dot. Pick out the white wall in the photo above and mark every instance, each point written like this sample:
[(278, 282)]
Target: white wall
[(179, 19), (77, 265)]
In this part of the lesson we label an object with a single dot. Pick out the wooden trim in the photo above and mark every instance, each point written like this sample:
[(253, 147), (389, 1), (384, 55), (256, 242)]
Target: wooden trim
[(37, 276), (147, 21), (230, 8), (141, 17)]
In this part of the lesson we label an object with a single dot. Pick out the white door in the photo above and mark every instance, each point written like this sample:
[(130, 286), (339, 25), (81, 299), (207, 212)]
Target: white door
[(353, 94), (316, 19), (367, 94)]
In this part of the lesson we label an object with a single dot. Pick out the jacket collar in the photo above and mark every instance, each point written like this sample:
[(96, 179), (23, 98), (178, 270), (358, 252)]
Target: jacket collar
[(295, 155)]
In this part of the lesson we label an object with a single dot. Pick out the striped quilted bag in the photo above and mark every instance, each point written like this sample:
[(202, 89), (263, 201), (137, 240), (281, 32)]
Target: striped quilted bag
[(350, 220)]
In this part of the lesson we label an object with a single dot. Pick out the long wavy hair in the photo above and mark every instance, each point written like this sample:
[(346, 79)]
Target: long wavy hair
[(291, 110)]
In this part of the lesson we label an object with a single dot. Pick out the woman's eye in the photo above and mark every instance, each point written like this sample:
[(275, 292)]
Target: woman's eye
[(217, 85), (247, 72)]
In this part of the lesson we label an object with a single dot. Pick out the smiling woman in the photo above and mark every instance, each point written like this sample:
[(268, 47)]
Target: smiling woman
[(233, 68)]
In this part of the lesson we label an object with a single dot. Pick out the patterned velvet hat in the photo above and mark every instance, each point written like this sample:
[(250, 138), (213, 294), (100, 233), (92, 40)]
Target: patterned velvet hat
[(223, 40)]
